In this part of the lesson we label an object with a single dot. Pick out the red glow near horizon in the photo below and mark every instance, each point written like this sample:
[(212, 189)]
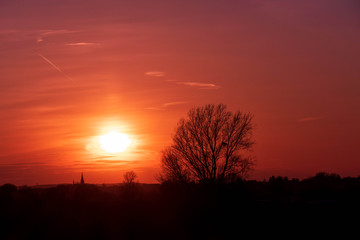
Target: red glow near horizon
[(71, 72)]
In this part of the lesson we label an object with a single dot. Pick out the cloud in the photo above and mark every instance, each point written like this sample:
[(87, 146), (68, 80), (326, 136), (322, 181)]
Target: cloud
[(173, 103), (39, 35), (200, 85), (112, 161), (309, 119), (53, 65), (45, 33), (155, 74), (166, 105), (60, 31), (82, 44)]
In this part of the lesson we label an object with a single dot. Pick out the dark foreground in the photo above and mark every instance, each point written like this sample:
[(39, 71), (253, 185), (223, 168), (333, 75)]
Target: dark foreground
[(325, 205)]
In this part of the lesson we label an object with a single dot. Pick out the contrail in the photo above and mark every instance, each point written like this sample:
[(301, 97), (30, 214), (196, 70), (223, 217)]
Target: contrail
[(53, 65)]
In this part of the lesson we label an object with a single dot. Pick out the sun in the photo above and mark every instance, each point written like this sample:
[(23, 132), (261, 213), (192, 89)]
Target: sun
[(114, 142)]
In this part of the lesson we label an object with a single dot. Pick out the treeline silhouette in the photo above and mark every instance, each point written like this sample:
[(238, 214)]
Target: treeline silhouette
[(323, 204)]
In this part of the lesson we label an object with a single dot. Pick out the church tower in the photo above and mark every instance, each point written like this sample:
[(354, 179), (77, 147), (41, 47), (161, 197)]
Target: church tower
[(82, 179)]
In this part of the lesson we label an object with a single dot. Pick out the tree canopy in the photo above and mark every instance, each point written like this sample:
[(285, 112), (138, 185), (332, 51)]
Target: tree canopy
[(209, 146)]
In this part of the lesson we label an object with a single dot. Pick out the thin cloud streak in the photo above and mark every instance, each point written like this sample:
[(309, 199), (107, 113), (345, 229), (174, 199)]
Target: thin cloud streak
[(55, 32), (173, 103), (16, 34), (166, 105), (155, 74), (200, 85), (53, 65), (82, 44), (45, 33)]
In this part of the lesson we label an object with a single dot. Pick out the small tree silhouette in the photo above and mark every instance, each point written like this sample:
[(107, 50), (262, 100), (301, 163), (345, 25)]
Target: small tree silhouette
[(208, 146), (129, 177)]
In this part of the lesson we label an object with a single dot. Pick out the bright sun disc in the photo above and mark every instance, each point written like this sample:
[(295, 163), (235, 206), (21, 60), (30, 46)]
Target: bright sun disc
[(114, 142)]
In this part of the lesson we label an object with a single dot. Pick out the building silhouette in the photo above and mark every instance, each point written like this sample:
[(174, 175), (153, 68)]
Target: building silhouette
[(82, 179)]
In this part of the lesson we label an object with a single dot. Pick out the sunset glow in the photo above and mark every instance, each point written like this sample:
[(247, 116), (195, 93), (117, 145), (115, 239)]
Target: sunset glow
[(114, 142), (99, 86)]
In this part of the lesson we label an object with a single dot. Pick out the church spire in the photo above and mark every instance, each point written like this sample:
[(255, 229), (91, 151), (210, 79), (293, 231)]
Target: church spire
[(82, 179)]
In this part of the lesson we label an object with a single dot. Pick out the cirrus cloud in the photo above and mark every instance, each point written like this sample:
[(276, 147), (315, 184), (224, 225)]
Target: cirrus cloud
[(166, 105), (155, 73), (46, 33), (200, 85), (82, 44)]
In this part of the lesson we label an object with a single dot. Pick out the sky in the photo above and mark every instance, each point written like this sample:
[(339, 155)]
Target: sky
[(71, 71)]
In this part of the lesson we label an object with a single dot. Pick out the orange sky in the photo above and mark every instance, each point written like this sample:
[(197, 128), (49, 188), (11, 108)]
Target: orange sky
[(73, 70)]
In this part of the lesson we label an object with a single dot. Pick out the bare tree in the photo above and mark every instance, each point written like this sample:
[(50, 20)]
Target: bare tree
[(129, 177), (208, 146)]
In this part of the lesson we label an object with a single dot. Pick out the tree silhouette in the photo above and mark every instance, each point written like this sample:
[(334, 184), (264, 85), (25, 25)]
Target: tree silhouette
[(129, 177), (208, 146)]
